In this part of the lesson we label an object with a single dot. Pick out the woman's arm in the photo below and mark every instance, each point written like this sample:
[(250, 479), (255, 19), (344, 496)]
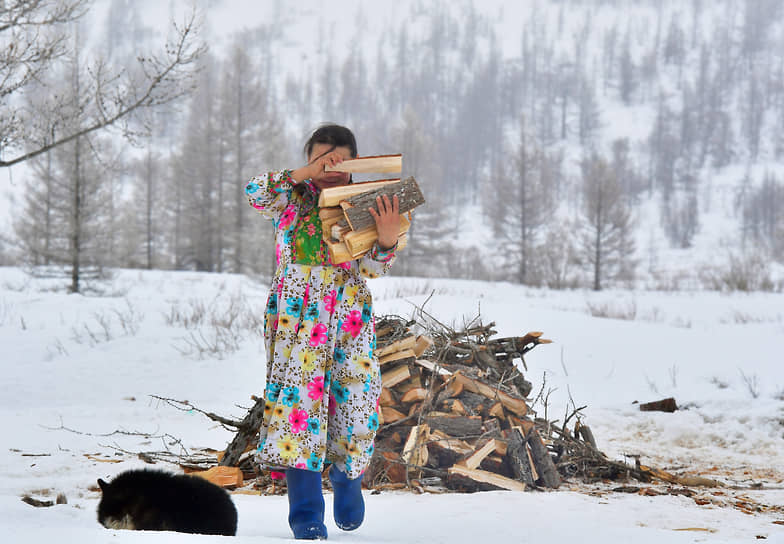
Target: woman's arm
[(377, 262), (270, 193)]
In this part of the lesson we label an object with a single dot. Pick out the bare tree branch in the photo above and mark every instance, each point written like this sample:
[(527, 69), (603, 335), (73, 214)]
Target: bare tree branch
[(112, 98)]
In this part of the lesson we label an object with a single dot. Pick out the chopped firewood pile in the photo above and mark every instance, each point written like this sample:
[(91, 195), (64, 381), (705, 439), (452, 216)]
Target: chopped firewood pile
[(349, 228), (454, 416), (454, 412)]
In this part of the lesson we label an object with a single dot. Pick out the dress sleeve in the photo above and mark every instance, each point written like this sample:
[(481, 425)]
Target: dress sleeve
[(270, 193), (377, 262)]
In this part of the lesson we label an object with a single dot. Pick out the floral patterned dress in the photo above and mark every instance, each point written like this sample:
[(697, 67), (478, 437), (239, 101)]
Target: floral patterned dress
[(323, 381)]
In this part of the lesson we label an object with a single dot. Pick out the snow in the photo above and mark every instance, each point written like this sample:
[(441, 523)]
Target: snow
[(73, 387)]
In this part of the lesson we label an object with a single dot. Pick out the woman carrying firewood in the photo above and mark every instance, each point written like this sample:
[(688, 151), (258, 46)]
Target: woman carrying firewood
[(323, 380)]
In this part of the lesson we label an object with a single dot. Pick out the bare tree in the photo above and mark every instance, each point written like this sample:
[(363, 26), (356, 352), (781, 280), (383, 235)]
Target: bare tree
[(520, 203), (110, 97), (606, 240), (77, 240)]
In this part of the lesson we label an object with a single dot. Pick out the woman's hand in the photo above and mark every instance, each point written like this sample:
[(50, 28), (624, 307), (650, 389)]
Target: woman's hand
[(315, 168), (387, 221)]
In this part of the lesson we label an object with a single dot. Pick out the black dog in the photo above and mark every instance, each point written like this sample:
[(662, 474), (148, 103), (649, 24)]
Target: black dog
[(148, 500)]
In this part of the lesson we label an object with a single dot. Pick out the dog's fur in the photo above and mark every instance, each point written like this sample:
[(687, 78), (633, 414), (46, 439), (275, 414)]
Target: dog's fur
[(149, 500)]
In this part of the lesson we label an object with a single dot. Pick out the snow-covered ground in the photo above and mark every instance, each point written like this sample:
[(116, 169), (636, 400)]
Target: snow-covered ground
[(78, 372)]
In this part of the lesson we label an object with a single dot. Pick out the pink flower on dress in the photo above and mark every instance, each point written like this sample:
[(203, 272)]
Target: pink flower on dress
[(298, 420), (311, 229), (300, 466), (353, 323), (332, 404), (275, 475), (286, 218), (344, 266), (318, 335), (316, 388), (330, 300)]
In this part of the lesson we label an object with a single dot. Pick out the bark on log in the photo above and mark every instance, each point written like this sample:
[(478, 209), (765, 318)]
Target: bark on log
[(356, 207), (247, 432), (665, 405), (331, 197), (542, 460), (456, 425), (517, 457)]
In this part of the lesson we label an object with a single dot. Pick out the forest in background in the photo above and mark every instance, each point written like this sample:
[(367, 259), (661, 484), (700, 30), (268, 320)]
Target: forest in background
[(610, 145)]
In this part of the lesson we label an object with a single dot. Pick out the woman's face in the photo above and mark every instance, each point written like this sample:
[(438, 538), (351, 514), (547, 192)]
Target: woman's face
[(330, 179)]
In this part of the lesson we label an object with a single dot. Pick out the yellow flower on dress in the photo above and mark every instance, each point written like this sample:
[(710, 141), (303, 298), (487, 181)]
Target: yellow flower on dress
[(268, 406), (362, 363), (349, 293), (368, 273), (279, 412), (285, 321), (288, 447), (326, 274), (308, 359), (286, 352), (352, 449)]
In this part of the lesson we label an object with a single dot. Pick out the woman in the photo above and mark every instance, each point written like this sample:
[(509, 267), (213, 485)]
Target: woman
[(323, 380)]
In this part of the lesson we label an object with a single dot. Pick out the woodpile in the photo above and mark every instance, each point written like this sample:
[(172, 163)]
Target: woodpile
[(349, 228), (454, 414)]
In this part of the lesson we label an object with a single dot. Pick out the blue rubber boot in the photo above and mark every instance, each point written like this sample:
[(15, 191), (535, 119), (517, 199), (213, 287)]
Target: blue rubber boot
[(306, 504), (348, 504)]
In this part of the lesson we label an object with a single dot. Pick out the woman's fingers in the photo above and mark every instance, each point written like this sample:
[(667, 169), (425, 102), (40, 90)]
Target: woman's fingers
[(386, 207)]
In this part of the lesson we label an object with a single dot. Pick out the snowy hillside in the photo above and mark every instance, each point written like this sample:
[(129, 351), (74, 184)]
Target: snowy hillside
[(78, 373)]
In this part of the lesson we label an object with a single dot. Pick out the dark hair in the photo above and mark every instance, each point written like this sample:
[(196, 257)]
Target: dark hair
[(332, 135)]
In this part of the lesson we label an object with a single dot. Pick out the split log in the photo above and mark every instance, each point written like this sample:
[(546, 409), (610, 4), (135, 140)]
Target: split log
[(392, 467), (413, 382), (387, 397), (496, 410), (397, 356), (391, 415), (481, 479), (392, 377), (455, 425), (222, 476), (542, 461), (360, 241), (495, 463), (339, 253), (518, 458), (511, 403), (475, 458), (417, 394), (435, 369), (454, 406), (415, 449), (332, 196), (423, 343), (332, 212), (356, 207), (377, 164), (409, 342)]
